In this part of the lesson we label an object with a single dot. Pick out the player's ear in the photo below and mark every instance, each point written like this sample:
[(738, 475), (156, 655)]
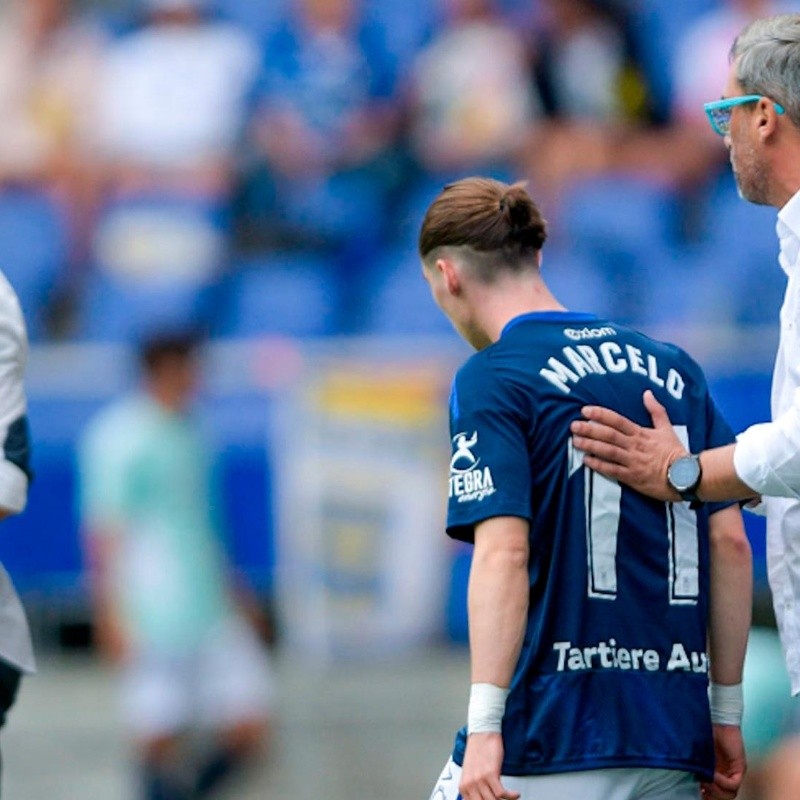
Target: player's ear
[(449, 272)]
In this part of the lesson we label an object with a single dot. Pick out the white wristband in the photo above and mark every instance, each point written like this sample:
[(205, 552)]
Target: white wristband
[(487, 704), (727, 704)]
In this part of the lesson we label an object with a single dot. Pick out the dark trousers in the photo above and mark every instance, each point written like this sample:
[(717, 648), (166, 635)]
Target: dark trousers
[(9, 685)]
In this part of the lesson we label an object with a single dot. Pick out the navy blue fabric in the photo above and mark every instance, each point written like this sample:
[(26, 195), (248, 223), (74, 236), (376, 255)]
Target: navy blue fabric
[(606, 678)]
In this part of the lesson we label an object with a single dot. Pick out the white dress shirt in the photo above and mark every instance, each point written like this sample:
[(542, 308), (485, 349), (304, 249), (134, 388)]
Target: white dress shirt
[(767, 456)]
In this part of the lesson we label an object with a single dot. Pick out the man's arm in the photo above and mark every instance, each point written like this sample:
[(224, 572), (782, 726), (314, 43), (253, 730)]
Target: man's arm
[(729, 623), (102, 548), (498, 608), (639, 457)]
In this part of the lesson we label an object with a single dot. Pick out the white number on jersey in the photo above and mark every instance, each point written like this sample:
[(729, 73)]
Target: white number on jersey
[(602, 501)]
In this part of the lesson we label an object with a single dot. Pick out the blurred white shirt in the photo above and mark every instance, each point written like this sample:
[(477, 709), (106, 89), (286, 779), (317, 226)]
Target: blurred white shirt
[(175, 96), (15, 638), (767, 456)]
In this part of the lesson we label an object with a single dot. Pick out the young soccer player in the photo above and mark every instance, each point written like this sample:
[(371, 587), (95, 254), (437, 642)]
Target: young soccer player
[(589, 604)]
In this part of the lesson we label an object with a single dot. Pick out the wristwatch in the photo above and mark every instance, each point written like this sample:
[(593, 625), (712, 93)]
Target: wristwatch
[(684, 475)]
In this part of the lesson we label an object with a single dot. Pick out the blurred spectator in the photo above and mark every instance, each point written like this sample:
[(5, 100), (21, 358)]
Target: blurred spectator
[(771, 726), (173, 101), (326, 119), (592, 90), (172, 110), (49, 68), (50, 63), (165, 608), (323, 141), (471, 94)]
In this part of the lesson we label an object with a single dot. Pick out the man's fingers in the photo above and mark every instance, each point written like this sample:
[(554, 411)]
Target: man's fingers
[(606, 416), (606, 468), (595, 431), (602, 450), (499, 791), (657, 412)]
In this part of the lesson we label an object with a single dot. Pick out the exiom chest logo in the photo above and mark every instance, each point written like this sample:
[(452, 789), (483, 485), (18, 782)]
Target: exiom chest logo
[(468, 479), (580, 334)]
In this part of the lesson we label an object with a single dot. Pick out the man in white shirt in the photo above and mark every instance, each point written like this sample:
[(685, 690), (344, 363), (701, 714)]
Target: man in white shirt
[(759, 117), (16, 651)]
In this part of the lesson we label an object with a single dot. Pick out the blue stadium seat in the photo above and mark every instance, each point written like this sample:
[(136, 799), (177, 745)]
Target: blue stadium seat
[(621, 225), (156, 260), (289, 294), (736, 261), (400, 301), (32, 251), (119, 310)]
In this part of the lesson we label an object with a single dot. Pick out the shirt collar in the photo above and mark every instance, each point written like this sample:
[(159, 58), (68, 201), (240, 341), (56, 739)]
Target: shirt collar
[(548, 316), (788, 228)]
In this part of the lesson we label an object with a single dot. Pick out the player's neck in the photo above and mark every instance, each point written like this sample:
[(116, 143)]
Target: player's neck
[(512, 300)]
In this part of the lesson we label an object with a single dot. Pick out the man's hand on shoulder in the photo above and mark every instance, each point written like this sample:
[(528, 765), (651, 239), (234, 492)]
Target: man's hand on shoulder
[(620, 449)]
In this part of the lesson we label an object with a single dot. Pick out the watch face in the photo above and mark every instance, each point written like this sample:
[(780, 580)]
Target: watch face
[(684, 473)]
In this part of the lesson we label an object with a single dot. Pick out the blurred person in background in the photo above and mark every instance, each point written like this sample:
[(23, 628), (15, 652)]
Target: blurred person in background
[(559, 705), (323, 138), (51, 60), (172, 110), (770, 724), (592, 90), (166, 609), (470, 96), (50, 66), (595, 159), (173, 101), (16, 649)]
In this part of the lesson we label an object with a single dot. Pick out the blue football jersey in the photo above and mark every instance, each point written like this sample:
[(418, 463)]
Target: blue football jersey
[(613, 670)]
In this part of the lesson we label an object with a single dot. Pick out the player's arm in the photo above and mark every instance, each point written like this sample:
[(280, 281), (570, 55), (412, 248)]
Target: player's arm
[(498, 607), (103, 544), (729, 623), (640, 457)]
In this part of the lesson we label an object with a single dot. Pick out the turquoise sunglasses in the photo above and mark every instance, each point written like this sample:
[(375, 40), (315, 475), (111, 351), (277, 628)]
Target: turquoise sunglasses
[(719, 112)]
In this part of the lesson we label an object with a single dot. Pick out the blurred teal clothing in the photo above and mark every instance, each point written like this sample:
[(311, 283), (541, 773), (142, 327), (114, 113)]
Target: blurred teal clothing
[(146, 478)]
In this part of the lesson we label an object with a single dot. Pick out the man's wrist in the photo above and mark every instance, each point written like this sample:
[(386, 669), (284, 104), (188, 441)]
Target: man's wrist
[(487, 704), (684, 475), (727, 704)]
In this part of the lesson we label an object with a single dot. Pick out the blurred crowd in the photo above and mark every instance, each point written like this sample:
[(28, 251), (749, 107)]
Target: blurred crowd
[(261, 168)]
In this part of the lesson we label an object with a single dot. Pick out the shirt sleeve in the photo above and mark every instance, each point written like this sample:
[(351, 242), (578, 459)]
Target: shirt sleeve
[(106, 469), (15, 471), (767, 456), (489, 465)]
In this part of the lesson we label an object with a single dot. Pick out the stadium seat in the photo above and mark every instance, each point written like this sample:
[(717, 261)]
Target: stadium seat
[(156, 262), (736, 261), (288, 294), (400, 302), (621, 226), (120, 310), (32, 251)]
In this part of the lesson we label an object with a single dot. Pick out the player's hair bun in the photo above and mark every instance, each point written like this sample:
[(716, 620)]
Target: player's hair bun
[(525, 225), (516, 207), (488, 216)]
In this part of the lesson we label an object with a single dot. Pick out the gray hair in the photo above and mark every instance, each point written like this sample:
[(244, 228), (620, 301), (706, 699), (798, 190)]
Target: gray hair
[(767, 56)]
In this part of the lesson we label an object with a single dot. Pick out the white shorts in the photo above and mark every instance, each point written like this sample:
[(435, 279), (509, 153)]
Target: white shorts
[(226, 680), (595, 784)]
